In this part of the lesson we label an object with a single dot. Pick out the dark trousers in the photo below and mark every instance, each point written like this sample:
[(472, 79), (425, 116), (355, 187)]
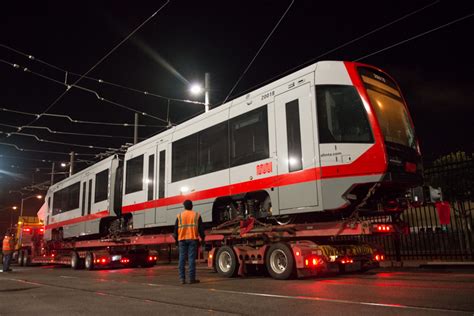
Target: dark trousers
[(187, 248), (7, 258)]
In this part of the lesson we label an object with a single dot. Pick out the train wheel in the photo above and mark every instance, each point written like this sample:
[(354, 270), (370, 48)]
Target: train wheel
[(76, 262), (280, 262), (89, 261), (226, 262)]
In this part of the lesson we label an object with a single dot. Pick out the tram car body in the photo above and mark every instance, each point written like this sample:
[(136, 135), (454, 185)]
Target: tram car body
[(315, 144), (83, 203)]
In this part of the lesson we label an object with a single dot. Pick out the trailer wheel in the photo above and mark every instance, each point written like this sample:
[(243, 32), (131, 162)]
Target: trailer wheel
[(76, 261), (226, 262), (280, 262), (89, 261)]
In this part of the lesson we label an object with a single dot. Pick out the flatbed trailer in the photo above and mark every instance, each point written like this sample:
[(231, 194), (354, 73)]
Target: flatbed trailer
[(128, 251), (297, 250)]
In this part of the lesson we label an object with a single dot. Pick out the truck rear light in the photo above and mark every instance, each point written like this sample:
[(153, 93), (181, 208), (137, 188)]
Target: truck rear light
[(313, 261), (297, 253), (27, 230), (383, 228), (379, 257), (151, 258), (124, 260)]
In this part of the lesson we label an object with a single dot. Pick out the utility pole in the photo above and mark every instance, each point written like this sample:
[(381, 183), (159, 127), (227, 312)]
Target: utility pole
[(207, 87), (52, 174), (135, 129), (71, 164)]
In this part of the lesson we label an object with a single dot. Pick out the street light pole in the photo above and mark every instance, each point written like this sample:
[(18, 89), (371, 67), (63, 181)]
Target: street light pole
[(207, 87)]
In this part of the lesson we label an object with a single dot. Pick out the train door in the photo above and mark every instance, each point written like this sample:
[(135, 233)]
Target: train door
[(86, 199), (138, 185), (297, 166), (161, 182)]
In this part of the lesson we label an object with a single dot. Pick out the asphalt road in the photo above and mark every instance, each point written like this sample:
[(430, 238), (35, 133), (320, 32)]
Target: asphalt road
[(156, 291)]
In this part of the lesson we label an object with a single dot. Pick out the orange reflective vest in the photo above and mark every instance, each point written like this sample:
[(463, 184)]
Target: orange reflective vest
[(7, 244), (188, 225)]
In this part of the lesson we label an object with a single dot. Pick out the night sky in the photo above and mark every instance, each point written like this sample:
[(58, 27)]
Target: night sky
[(188, 38)]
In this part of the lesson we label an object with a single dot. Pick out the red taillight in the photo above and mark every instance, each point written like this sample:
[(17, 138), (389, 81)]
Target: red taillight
[(41, 230), (124, 260), (379, 257), (52, 255), (315, 261), (383, 228), (103, 260), (306, 262), (297, 253), (151, 258), (27, 230), (410, 167)]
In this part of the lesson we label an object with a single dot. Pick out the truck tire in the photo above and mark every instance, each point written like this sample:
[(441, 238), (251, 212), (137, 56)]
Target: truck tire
[(20, 257), (26, 258), (76, 261), (89, 261), (279, 261), (226, 262)]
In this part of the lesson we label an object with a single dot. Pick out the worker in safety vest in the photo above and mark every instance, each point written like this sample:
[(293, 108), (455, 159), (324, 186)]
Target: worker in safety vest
[(187, 230), (8, 247)]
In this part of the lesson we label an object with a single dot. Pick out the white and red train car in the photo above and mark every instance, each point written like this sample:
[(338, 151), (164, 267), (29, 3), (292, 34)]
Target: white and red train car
[(313, 145)]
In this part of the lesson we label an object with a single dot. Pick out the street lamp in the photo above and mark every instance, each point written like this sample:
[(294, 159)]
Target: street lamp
[(196, 89)]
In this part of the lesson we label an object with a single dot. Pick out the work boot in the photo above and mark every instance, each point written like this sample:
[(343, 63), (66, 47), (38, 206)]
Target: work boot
[(194, 281), (182, 281)]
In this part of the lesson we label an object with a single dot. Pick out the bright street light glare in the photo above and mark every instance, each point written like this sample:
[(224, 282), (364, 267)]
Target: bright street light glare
[(14, 207), (39, 196), (196, 89), (63, 164)]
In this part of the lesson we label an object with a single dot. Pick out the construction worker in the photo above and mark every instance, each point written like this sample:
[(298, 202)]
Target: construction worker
[(187, 230), (8, 247)]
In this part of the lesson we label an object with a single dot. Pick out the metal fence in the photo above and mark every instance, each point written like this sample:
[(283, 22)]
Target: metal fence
[(425, 238)]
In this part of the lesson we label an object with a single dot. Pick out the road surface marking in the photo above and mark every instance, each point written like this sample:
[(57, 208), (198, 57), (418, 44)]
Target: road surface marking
[(68, 277), (320, 299)]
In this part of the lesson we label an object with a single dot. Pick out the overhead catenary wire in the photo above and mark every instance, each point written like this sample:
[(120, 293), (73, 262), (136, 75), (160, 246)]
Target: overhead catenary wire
[(416, 36), (259, 50), (100, 61), (42, 140), (312, 60), (68, 86), (69, 118), (45, 151), (20, 128), (101, 81)]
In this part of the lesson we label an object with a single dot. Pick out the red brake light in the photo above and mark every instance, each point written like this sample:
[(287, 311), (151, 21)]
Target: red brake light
[(306, 262), (297, 253), (27, 230)]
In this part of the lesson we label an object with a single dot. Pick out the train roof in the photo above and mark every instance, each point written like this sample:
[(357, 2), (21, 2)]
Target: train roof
[(227, 105), (78, 175)]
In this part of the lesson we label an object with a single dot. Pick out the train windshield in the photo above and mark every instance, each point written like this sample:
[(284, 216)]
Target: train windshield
[(389, 107)]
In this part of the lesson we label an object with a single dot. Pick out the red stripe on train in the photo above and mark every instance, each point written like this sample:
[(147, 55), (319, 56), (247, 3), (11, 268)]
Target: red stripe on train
[(367, 164), (79, 219)]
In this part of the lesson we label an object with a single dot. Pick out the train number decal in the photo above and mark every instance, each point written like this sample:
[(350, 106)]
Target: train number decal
[(264, 168)]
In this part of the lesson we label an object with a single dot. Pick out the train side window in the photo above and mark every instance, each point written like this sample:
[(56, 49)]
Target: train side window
[(49, 210), (249, 137), (89, 197), (214, 148), (161, 190), (293, 134), (341, 115), (66, 199), (184, 158), (83, 208), (151, 176), (101, 186), (134, 175)]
